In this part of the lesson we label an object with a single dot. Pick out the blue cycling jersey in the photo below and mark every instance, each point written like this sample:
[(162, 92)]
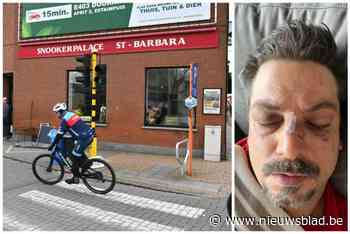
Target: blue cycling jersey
[(72, 123)]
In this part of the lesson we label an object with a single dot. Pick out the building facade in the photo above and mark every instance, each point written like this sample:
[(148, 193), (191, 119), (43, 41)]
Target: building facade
[(140, 96)]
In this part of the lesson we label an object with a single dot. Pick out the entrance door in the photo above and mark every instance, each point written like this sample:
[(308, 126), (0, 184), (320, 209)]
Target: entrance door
[(8, 93)]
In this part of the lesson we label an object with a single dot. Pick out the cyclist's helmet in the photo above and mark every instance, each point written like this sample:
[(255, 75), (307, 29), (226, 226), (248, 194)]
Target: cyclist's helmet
[(59, 107)]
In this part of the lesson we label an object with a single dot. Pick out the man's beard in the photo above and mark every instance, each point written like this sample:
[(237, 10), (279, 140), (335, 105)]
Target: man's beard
[(288, 197)]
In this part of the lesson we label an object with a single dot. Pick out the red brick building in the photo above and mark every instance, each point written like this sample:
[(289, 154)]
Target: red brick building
[(147, 69)]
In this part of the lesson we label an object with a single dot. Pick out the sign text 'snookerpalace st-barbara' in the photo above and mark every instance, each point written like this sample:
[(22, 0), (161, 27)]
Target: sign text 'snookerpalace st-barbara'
[(206, 39)]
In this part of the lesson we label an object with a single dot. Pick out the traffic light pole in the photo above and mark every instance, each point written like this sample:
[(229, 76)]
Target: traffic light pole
[(93, 146)]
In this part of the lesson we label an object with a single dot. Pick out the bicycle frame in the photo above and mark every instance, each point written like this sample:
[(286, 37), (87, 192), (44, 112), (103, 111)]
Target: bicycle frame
[(61, 156)]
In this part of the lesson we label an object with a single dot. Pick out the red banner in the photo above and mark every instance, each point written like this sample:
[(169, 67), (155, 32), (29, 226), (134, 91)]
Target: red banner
[(175, 41)]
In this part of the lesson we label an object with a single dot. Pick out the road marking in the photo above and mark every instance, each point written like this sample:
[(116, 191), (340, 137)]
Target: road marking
[(167, 207), (14, 150), (94, 213), (24, 152), (14, 225), (9, 149)]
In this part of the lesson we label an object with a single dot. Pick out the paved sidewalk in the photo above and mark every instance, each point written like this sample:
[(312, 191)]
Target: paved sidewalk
[(210, 179)]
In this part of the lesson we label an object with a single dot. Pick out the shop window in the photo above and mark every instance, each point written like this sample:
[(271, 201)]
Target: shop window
[(79, 96), (166, 91)]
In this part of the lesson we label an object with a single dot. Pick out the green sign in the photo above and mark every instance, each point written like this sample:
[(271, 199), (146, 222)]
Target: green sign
[(43, 20), (53, 19)]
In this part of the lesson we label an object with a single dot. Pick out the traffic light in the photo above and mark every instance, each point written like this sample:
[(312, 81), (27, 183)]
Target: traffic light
[(84, 69), (100, 72), (84, 77)]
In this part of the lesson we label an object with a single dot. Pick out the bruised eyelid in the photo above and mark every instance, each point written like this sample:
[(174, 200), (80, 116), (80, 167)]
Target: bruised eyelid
[(321, 119), (267, 116)]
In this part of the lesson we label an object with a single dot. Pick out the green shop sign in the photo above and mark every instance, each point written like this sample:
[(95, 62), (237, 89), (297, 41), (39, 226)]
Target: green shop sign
[(53, 19)]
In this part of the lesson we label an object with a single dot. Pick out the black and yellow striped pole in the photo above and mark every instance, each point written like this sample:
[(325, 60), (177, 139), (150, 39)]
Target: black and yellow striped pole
[(93, 146)]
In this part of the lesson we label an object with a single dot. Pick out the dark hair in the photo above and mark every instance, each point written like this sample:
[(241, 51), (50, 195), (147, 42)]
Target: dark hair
[(297, 41)]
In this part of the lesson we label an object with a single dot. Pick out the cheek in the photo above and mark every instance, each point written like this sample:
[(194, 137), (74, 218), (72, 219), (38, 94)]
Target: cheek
[(261, 147), (324, 151), (261, 144)]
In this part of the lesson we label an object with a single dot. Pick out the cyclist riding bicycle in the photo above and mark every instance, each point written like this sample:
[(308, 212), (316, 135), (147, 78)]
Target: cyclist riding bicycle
[(82, 134)]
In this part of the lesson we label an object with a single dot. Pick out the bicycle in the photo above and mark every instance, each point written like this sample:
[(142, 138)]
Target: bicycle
[(97, 175)]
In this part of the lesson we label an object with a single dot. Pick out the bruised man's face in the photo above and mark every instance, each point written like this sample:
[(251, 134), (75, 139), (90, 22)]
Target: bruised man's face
[(294, 120)]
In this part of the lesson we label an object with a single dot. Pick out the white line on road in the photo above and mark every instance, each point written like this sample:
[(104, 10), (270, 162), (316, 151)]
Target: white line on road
[(24, 152), (94, 213), (9, 149), (12, 224), (14, 150), (167, 207)]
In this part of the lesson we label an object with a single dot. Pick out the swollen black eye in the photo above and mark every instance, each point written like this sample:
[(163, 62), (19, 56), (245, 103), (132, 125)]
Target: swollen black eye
[(270, 124), (315, 126)]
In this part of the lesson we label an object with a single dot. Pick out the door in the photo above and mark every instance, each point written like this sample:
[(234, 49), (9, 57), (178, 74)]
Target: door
[(8, 93)]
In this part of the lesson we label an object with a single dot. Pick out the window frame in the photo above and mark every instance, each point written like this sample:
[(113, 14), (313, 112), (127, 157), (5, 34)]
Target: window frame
[(147, 126)]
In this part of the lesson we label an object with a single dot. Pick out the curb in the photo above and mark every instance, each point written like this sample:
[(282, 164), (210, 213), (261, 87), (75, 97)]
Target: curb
[(194, 188)]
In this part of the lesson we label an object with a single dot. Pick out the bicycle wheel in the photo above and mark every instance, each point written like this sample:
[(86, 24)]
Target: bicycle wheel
[(98, 176), (47, 169)]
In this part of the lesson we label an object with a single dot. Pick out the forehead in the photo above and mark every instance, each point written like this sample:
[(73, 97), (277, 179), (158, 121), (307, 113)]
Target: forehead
[(290, 82)]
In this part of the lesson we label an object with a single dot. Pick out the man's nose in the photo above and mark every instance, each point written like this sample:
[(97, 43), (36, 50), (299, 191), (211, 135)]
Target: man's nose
[(290, 142)]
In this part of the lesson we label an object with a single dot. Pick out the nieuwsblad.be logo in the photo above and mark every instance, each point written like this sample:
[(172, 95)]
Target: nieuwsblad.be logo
[(49, 13)]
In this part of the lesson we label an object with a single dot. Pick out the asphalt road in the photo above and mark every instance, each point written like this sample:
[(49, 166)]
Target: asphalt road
[(30, 205)]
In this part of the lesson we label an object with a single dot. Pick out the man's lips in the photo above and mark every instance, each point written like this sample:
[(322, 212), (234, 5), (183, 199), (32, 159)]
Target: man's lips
[(288, 179)]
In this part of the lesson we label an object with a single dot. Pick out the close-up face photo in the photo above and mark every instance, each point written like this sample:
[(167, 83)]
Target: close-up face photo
[(290, 116), (293, 130)]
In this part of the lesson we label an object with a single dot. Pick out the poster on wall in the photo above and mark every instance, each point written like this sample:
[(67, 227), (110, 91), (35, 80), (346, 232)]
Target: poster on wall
[(57, 19), (211, 101)]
